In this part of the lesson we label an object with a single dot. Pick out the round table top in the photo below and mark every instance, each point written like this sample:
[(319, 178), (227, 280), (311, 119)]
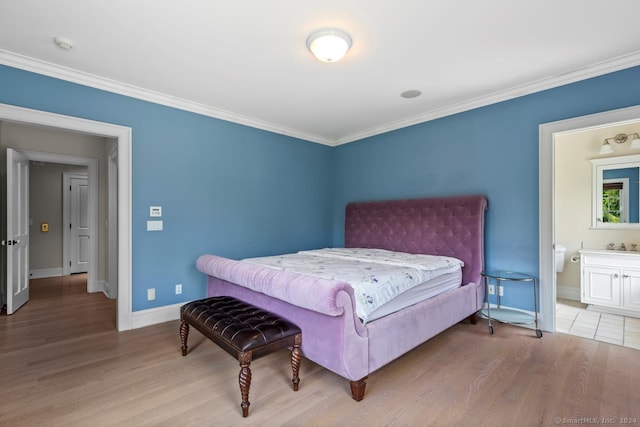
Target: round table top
[(508, 275)]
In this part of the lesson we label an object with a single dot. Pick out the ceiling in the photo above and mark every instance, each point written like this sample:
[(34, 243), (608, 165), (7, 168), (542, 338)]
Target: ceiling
[(247, 61)]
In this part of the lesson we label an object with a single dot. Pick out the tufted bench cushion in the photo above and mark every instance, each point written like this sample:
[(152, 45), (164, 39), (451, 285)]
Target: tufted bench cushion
[(244, 331)]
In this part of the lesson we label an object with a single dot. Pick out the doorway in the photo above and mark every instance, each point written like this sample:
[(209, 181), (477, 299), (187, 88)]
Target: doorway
[(91, 165), (76, 233), (122, 137), (549, 135)]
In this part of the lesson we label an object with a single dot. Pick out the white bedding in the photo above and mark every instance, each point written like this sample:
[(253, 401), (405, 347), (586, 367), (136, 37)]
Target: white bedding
[(418, 293), (377, 276)]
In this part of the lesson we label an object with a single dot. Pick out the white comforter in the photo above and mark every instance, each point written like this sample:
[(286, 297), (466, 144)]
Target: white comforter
[(376, 275)]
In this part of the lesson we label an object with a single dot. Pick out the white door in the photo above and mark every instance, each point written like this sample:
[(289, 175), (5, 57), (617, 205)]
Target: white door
[(17, 240), (77, 218)]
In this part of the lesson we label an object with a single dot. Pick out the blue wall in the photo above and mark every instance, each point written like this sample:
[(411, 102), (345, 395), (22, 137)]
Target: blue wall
[(224, 188), (237, 191), (491, 150)]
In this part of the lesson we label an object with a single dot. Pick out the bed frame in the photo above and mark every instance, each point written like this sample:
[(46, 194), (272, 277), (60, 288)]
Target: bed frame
[(332, 334)]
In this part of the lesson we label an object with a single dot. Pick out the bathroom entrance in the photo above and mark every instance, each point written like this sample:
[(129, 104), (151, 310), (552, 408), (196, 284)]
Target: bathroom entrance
[(567, 219)]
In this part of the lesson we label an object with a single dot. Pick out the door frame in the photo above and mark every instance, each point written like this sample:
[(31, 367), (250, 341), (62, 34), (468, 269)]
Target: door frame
[(124, 315), (112, 221), (546, 177), (66, 232)]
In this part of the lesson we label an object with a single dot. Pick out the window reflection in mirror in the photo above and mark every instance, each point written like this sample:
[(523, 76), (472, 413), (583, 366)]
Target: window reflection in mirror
[(620, 195), (616, 192)]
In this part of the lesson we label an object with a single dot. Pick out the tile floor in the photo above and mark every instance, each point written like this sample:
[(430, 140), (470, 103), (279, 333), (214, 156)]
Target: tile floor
[(573, 318)]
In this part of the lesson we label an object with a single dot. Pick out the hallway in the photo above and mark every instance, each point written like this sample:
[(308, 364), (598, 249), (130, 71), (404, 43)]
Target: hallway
[(63, 310)]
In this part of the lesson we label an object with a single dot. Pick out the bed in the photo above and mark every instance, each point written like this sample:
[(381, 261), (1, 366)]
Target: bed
[(333, 335)]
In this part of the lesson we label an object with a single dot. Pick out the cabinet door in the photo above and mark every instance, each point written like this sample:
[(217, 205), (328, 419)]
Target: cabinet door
[(601, 286), (631, 289)]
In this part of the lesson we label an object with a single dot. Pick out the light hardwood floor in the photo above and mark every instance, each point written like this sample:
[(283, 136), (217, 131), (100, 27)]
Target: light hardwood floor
[(62, 363)]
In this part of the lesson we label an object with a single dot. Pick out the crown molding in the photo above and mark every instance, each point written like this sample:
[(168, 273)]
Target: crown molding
[(68, 74), (71, 75), (583, 73)]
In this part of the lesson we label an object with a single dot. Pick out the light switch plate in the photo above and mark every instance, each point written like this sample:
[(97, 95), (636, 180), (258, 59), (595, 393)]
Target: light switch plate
[(154, 225)]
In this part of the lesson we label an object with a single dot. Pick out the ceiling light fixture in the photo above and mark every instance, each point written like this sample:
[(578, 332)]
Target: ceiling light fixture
[(63, 43), (329, 44), (619, 139)]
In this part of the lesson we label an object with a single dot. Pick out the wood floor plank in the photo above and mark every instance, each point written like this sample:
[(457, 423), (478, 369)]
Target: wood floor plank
[(62, 363)]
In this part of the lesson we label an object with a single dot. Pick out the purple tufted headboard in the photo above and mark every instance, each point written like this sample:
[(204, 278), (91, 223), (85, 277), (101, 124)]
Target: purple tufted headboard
[(451, 226)]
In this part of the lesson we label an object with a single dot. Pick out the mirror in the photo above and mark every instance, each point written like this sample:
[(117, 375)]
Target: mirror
[(616, 192)]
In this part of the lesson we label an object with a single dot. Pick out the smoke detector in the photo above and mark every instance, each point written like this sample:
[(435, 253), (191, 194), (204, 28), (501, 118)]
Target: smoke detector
[(63, 43)]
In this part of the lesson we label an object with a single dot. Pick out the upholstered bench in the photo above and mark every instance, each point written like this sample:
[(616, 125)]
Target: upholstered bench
[(244, 331)]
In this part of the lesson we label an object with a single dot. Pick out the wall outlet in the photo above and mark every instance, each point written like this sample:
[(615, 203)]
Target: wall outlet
[(501, 291), (151, 294), (178, 288), (492, 289)]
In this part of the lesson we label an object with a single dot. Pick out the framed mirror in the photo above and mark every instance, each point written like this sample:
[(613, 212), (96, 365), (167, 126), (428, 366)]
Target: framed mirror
[(616, 192)]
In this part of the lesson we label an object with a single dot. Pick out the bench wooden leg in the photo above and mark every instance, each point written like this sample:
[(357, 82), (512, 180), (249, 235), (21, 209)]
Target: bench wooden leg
[(245, 381), (184, 335), (357, 389), (295, 361)]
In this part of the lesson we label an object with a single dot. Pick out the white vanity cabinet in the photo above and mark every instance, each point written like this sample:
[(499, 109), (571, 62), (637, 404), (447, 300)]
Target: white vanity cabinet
[(631, 290), (611, 279)]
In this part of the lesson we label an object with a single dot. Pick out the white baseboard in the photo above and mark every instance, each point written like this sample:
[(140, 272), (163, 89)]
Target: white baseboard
[(107, 290), (101, 286), (566, 292), (94, 286), (45, 272), (156, 315)]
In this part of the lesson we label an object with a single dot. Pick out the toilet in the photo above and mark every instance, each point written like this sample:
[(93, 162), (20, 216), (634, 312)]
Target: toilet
[(560, 251)]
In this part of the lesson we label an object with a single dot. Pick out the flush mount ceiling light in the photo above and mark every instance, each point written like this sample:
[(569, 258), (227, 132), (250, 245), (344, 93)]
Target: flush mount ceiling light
[(619, 139), (329, 44), (63, 43)]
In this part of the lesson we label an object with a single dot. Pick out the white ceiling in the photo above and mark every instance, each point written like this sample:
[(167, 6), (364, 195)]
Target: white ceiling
[(247, 62)]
